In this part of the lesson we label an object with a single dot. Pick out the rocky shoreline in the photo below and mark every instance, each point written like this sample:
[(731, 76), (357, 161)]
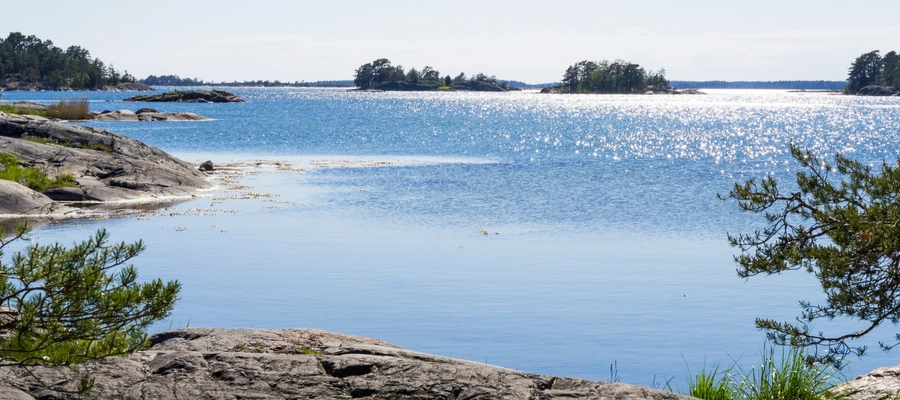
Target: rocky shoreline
[(881, 91), (33, 87), (207, 363), (108, 167)]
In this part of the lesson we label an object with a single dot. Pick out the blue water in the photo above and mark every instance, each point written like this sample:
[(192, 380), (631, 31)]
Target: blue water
[(606, 242)]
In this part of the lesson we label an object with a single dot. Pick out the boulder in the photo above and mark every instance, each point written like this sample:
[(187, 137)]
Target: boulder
[(190, 96), (16, 199), (146, 110), (203, 363), (120, 115), (207, 166)]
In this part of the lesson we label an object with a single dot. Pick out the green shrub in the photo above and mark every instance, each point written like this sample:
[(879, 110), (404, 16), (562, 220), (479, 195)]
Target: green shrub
[(69, 143), (33, 178)]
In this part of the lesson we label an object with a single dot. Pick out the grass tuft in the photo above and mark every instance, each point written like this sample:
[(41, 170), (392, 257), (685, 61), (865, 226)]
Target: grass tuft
[(76, 109), (33, 178), (790, 376)]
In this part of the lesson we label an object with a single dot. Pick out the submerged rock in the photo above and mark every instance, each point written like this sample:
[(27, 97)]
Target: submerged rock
[(200, 363), (190, 96)]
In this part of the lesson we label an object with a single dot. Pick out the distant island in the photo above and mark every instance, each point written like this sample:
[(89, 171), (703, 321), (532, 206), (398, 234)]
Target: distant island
[(616, 77), (380, 75), (874, 75), (29, 63)]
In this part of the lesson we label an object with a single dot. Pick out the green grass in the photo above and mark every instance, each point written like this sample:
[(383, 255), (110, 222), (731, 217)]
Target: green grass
[(76, 145), (790, 376), (33, 178), (11, 109), (76, 109)]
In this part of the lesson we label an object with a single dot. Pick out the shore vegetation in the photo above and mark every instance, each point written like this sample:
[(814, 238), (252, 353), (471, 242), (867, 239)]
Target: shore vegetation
[(32, 178), (74, 109), (789, 375)]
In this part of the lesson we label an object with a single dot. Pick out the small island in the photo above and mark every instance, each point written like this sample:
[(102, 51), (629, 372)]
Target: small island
[(190, 96), (380, 75), (874, 75), (616, 77)]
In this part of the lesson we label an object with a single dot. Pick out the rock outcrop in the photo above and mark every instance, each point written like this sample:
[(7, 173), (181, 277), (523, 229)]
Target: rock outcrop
[(145, 114), (190, 96), (882, 383), (107, 166), (16, 199), (875, 90), (210, 364)]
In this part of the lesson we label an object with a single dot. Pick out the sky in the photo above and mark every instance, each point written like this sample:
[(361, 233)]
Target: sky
[(524, 40)]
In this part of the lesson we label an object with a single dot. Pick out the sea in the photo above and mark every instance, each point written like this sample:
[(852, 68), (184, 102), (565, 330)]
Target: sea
[(566, 235)]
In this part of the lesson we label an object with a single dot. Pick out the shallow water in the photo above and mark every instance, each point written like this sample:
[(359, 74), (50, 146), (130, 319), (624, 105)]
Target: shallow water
[(611, 244)]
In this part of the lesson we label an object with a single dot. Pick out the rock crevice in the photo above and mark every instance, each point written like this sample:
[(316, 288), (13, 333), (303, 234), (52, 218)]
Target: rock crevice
[(200, 363)]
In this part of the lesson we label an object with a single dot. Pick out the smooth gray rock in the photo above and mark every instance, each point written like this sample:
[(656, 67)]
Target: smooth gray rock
[(120, 115), (145, 114), (30, 105), (16, 199), (882, 383), (123, 168), (200, 363)]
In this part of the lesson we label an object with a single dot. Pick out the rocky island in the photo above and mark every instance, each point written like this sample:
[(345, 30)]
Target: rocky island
[(190, 96), (380, 76)]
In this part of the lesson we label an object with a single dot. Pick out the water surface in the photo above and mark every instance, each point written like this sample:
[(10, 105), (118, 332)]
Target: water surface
[(606, 241)]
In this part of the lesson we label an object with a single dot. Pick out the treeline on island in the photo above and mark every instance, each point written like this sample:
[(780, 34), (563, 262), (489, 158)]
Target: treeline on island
[(27, 62), (382, 75), (175, 80), (872, 69), (617, 77)]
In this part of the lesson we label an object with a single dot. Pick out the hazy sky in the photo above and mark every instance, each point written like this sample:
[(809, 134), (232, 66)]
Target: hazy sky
[(531, 41)]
